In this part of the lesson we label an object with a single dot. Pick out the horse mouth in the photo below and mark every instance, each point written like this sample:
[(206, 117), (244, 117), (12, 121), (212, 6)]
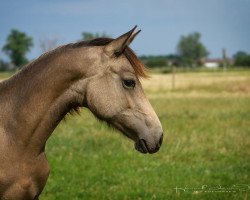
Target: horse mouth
[(141, 146)]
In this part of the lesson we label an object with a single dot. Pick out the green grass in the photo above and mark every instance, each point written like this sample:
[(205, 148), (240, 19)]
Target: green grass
[(4, 75), (206, 142)]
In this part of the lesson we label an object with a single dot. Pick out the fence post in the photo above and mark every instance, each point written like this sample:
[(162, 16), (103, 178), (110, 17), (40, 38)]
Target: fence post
[(173, 77)]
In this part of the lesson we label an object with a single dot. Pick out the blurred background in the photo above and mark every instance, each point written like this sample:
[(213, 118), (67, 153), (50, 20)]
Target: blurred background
[(198, 55), (219, 29)]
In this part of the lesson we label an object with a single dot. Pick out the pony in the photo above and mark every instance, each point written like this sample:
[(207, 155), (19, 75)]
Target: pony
[(102, 75)]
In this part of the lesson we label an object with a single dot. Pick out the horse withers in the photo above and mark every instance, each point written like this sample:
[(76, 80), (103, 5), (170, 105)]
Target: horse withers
[(102, 75)]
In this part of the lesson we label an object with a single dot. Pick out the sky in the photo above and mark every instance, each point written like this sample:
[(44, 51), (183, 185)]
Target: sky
[(222, 23)]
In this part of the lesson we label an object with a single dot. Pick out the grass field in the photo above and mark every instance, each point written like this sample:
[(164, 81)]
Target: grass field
[(205, 153), (4, 75)]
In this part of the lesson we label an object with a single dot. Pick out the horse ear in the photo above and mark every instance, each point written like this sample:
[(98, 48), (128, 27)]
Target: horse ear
[(118, 45)]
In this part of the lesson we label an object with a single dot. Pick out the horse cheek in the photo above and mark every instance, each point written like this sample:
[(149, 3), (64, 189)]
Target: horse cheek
[(101, 99)]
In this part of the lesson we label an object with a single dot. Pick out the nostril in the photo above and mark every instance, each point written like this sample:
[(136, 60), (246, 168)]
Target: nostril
[(161, 139)]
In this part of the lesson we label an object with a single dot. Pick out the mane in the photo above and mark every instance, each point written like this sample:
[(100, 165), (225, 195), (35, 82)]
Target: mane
[(137, 65)]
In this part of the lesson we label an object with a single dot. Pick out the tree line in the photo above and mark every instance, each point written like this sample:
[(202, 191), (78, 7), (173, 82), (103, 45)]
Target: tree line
[(190, 51)]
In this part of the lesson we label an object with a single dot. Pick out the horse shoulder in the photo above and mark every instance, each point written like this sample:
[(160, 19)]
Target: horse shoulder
[(22, 176)]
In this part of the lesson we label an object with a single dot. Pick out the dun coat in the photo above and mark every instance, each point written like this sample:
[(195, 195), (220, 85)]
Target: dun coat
[(102, 75)]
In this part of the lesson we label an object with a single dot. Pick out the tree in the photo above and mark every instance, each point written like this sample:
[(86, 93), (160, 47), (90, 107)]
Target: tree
[(18, 44), (242, 59), (3, 65), (91, 36), (191, 50), (48, 43)]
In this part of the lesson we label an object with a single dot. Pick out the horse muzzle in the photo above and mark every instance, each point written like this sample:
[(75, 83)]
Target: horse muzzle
[(144, 147)]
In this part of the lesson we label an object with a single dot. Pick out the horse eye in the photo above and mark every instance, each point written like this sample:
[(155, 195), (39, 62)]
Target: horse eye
[(129, 83)]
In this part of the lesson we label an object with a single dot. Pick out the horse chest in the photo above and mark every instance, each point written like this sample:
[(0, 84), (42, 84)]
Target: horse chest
[(23, 180)]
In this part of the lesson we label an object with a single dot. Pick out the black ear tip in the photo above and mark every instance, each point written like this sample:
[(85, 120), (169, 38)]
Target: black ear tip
[(134, 28)]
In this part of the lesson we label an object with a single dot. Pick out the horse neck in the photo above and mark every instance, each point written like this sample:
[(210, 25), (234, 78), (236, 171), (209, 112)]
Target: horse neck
[(35, 100)]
